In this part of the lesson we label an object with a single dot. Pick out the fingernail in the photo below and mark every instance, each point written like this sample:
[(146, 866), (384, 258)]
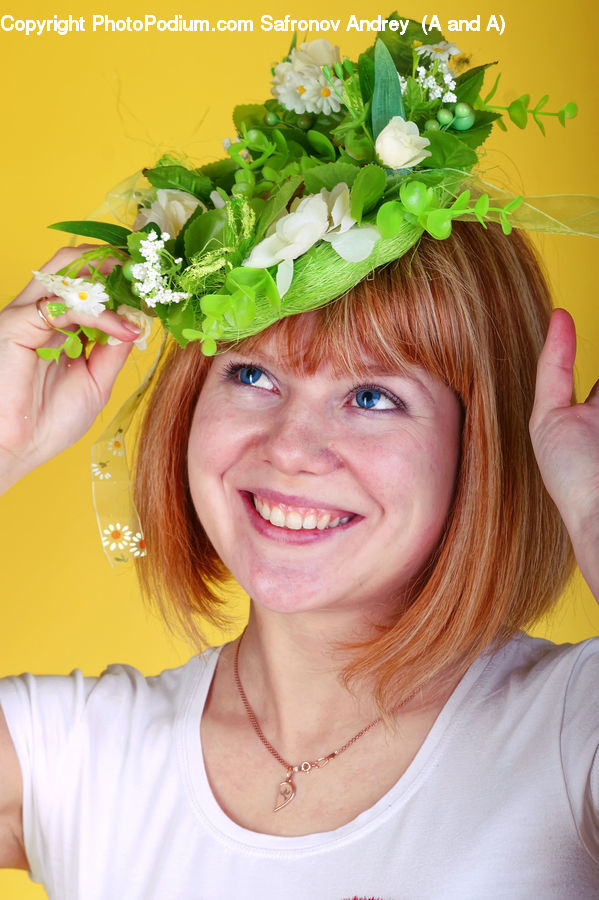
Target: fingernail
[(132, 328)]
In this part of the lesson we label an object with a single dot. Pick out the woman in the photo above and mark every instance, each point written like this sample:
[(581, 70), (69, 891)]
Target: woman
[(416, 446), (364, 470)]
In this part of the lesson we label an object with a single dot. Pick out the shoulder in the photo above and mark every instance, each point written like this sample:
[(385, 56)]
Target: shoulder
[(51, 706)]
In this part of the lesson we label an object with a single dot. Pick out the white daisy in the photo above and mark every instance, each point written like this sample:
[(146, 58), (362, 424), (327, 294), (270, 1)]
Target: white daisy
[(117, 536), (78, 294), (117, 445), (320, 96), (99, 471), (137, 544), (443, 50)]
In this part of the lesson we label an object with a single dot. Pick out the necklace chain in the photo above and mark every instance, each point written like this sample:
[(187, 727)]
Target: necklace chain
[(286, 791)]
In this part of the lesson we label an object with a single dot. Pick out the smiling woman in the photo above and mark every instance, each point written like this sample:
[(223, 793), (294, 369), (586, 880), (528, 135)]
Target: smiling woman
[(365, 418)]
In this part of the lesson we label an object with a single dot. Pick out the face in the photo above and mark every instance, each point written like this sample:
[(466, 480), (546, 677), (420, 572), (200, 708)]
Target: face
[(317, 492)]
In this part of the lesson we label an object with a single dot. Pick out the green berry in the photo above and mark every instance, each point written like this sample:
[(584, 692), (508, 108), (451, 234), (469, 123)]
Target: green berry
[(463, 123), (445, 117), (271, 118), (126, 269), (461, 110), (305, 122), (431, 125)]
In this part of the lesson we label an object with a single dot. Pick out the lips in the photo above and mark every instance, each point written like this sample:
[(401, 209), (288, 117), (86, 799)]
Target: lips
[(298, 514)]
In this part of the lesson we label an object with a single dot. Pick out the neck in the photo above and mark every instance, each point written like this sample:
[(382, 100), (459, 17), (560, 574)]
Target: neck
[(290, 672)]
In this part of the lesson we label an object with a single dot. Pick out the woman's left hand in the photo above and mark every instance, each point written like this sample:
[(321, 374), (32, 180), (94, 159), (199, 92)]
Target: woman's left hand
[(565, 438)]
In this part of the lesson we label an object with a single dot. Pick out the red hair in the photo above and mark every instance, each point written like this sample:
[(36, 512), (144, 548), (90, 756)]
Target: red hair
[(473, 310)]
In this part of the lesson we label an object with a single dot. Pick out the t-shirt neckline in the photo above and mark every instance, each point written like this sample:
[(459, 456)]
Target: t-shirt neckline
[(212, 816)]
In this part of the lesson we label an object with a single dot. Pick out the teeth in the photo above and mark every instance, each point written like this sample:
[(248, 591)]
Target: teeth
[(294, 520)]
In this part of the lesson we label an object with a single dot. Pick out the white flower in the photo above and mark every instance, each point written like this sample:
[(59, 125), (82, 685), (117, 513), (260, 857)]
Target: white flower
[(300, 85), (138, 318), (117, 446), (314, 53), (116, 536), (325, 216), (151, 284), (217, 201), (449, 97), (137, 545), (289, 87), (443, 50), (98, 471), (82, 296), (170, 211), (320, 95), (399, 145)]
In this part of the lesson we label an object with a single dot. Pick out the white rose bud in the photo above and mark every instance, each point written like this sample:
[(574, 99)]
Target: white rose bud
[(399, 145), (137, 318)]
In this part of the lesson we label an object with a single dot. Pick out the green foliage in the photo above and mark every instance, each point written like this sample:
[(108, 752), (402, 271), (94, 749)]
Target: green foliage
[(367, 190), (469, 83), (366, 76), (322, 145), (448, 152), (115, 235), (205, 232), (389, 219), (276, 204), (118, 287), (386, 100), (400, 46), (328, 175), (180, 179)]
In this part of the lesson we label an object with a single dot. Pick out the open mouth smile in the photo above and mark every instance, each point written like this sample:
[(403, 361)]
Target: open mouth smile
[(286, 517)]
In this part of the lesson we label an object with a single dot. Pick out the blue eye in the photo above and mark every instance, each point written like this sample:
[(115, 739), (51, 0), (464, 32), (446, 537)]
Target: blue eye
[(249, 374), (372, 398)]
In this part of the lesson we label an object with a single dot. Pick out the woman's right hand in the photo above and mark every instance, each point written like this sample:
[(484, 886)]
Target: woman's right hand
[(47, 406)]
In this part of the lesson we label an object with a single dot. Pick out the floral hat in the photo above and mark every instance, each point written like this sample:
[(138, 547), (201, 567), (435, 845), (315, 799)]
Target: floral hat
[(340, 171)]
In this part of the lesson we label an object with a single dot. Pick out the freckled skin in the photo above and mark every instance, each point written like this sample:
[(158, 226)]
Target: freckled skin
[(393, 467)]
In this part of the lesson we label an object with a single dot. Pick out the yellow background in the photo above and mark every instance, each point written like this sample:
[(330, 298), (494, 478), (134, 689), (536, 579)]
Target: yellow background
[(82, 111)]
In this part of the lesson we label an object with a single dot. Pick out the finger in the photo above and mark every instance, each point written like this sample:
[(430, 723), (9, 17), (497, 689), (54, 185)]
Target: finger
[(25, 327), (555, 369), (104, 364)]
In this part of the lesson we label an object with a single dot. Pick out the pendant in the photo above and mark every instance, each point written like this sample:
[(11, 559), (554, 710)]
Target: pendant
[(285, 793)]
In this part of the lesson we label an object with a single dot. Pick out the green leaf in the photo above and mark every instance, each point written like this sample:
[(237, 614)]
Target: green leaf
[(94, 334), (480, 131), (180, 179), (328, 175), (506, 225), (448, 151), (206, 229), (276, 204), (517, 113), (49, 353), (249, 114), (541, 102), (468, 85), (390, 218), (215, 304), (416, 197), (367, 190), (461, 202), (209, 346), (115, 235), (400, 46), (192, 334), (491, 93), (243, 312), (359, 146), (568, 111), (366, 76), (221, 172), (513, 204), (178, 317), (386, 100), (538, 122), (73, 346), (438, 223), (119, 289), (245, 280), (322, 145), (481, 207)]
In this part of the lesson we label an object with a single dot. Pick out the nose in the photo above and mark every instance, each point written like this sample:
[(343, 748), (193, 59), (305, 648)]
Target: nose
[(299, 440)]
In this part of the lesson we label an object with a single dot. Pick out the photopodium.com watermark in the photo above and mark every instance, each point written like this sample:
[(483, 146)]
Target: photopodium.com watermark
[(178, 24)]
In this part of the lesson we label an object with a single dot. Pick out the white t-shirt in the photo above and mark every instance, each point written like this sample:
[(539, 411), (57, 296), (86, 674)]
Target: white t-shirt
[(501, 801)]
